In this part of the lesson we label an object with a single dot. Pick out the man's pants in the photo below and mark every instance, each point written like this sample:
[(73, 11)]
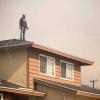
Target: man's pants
[(22, 34)]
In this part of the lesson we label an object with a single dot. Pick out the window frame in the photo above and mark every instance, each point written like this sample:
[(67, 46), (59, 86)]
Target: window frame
[(46, 58), (1, 94), (66, 62)]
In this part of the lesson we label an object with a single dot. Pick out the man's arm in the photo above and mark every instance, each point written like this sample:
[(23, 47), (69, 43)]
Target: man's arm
[(26, 25), (20, 23)]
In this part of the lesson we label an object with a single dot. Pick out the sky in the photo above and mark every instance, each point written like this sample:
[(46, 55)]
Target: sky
[(71, 26)]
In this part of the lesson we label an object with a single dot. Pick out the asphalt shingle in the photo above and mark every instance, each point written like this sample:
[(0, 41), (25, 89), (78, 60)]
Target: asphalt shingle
[(4, 83), (13, 42)]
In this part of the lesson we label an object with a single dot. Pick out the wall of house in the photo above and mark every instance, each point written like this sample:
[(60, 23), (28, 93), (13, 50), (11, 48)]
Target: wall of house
[(55, 94), (7, 96), (13, 65), (12, 96), (34, 70)]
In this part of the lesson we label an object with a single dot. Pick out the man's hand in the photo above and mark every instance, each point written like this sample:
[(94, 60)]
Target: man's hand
[(27, 28), (20, 27)]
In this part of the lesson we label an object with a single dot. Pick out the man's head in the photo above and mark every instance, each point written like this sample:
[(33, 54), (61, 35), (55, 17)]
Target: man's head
[(23, 15)]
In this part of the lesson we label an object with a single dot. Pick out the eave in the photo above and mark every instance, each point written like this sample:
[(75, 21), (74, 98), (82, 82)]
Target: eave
[(22, 91), (68, 56), (88, 94)]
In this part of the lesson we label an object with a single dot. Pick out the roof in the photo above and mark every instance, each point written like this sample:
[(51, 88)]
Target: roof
[(89, 89), (76, 89), (16, 42), (5, 83), (13, 43), (9, 87)]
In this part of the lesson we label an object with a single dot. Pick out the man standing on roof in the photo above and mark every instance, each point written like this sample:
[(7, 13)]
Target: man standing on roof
[(23, 27)]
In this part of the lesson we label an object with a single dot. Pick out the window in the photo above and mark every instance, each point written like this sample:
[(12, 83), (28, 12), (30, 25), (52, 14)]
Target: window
[(1, 96), (47, 65), (67, 70)]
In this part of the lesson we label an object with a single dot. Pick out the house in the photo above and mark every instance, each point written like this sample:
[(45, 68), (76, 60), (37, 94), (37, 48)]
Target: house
[(30, 71)]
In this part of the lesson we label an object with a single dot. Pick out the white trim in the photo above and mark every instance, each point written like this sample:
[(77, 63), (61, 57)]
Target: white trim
[(1, 94), (50, 58), (46, 56), (87, 92), (66, 62), (72, 70), (22, 89)]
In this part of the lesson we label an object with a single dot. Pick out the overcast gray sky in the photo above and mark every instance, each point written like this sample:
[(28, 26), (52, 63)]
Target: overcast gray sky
[(72, 26)]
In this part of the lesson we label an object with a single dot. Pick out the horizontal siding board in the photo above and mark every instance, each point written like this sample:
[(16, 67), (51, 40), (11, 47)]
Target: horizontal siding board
[(77, 76), (34, 68), (77, 72), (31, 63), (53, 79), (77, 81), (76, 84), (35, 71)]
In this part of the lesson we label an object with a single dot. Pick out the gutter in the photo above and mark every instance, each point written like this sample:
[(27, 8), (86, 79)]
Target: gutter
[(23, 91), (88, 94)]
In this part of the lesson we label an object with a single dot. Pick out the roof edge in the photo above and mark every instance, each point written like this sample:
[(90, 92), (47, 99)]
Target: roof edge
[(68, 56), (88, 94), (22, 91)]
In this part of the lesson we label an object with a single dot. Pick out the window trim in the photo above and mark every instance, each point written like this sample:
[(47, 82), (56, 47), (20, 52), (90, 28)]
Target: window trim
[(72, 70), (39, 65), (1, 94)]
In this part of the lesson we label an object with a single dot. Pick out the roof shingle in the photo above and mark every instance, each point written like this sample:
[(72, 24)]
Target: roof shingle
[(13, 42)]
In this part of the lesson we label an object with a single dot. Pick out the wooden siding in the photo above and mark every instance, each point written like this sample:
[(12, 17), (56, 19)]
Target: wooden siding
[(34, 68)]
